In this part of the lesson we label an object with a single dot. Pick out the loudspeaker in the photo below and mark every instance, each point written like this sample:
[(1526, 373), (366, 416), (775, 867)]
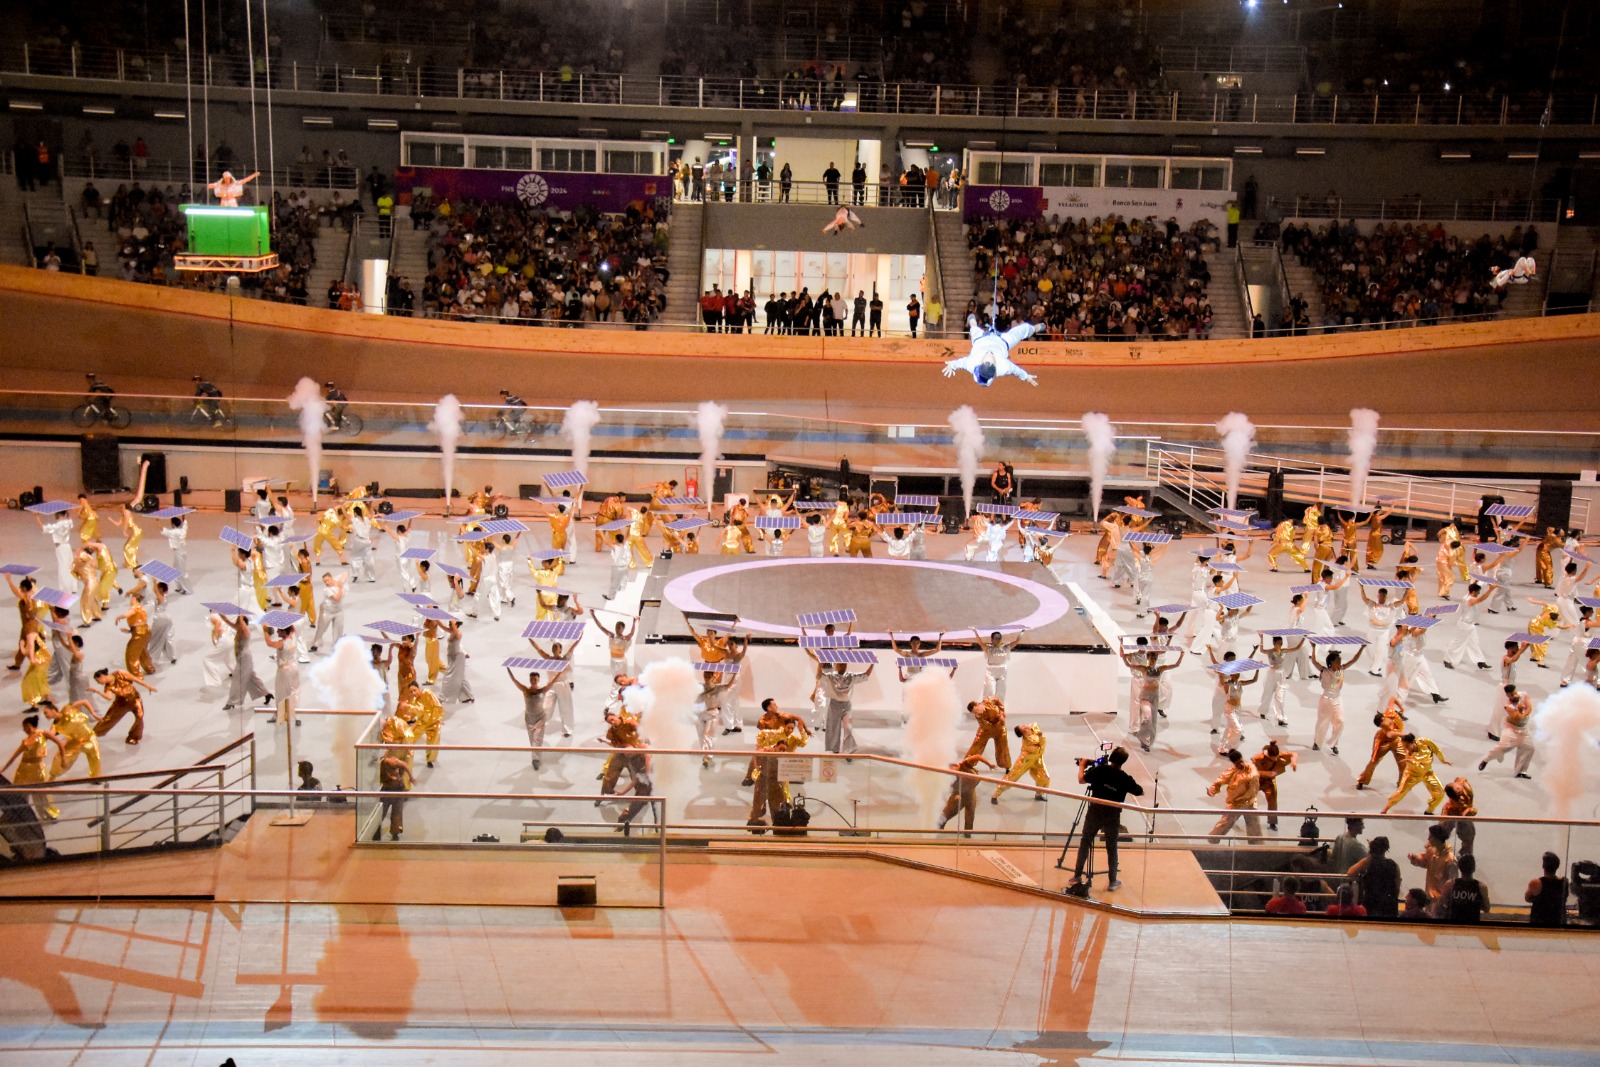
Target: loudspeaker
[(721, 484), (575, 891), (230, 501), (149, 502), (101, 460), (155, 479), (183, 482), (530, 492), (1485, 520), (953, 511), (177, 495), (1555, 504), (1273, 508)]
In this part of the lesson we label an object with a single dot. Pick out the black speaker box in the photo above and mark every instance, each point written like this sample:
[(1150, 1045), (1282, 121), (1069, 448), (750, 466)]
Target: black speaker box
[(155, 479), (1555, 504), (529, 492), (101, 458), (177, 496), (230, 501), (1485, 520), (575, 892), (1274, 505)]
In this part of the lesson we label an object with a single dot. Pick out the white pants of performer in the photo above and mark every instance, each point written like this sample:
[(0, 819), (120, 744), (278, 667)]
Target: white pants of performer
[(330, 624), (1580, 645), (619, 578), (1339, 604), (1465, 648), (1418, 674), (1233, 731), (1142, 581), (1142, 715), (1274, 691), (506, 569), (1252, 823), (217, 663), (1330, 721), (1396, 683), (708, 726), (1497, 721), (1205, 632), (1516, 741), (1122, 568), (361, 565), (563, 696), (180, 563), (1379, 636), (1500, 600), (994, 683), (489, 590), (247, 592), (408, 574), (64, 567)]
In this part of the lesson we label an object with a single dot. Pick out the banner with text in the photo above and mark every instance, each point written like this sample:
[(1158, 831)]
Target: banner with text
[(1188, 206), (544, 190)]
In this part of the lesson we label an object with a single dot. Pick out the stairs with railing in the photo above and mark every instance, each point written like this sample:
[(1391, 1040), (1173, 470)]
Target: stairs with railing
[(685, 261)]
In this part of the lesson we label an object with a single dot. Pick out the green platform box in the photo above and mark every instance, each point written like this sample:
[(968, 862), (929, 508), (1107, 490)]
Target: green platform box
[(228, 231)]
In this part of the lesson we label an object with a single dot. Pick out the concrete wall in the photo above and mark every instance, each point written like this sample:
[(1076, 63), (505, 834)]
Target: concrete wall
[(798, 227)]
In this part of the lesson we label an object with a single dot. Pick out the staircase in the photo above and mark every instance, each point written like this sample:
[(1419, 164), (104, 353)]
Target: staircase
[(955, 269), (331, 244), (52, 225), (685, 260), (13, 247), (1228, 318), (1304, 283), (410, 256)]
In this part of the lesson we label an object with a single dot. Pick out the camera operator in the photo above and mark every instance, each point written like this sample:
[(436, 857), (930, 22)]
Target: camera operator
[(1109, 782)]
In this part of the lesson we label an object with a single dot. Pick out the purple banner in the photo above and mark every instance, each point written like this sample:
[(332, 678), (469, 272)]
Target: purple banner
[(546, 190), (1002, 201)]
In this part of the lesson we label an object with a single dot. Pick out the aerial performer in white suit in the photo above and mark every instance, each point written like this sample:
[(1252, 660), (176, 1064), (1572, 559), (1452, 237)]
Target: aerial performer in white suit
[(229, 189), (843, 219), (1525, 268), (990, 357)]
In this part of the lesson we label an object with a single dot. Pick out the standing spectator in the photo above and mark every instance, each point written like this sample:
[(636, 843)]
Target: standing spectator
[(875, 315), (91, 259), (830, 178), (91, 200), (1233, 223), (785, 182), (711, 310), (1288, 901), (764, 180), (858, 184), (913, 313), (1379, 879), (1466, 901), (385, 204), (1547, 894), (858, 320), (24, 161), (1247, 200), (141, 155), (930, 181), (697, 180), (1438, 859)]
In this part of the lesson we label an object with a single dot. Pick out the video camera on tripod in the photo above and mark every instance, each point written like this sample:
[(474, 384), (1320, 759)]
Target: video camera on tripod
[(1101, 760)]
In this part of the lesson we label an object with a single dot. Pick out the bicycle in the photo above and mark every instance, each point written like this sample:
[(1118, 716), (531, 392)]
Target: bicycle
[(515, 422), (210, 410), (343, 422), (98, 409)]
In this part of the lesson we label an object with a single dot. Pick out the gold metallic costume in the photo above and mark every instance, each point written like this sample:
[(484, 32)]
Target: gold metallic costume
[(77, 735), (991, 716), (1387, 741), (1030, 760), (546, 575), (1282, 542), (1418, 770), (108, 575), (31, 770), (136, 657), (36, 679), (130, 547), (88, 521), (839, 528), (639, 527)]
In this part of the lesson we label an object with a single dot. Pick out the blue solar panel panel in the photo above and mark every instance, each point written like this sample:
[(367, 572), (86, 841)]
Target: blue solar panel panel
[(546, 554), (21, 570), (227, 611), (281, 620), (1529, 639), (1236, 514), (1224, 567), (1338, 639), (1492, 548), (849, 655), (1234, 527), (56, 598), (1384, 583), (996, 509), (1237, 601), (565, 480), (418, 600), (685, 525), (1238, 666), (1442, 609), (1303, 589), (915, 500), (781, 522), (1142, 513), (168, 513), (814, 505), (419, 553), (823, 618), (1042, 518), (161, 572), (436, 614), (1509, 511), (401, 516), (236, 538), (1145, 537), (682, 502), (1579, 556), (50, 507), (1418, 622), (829, 641), (718, 668), (926, 661), (1286, 632), (1169, 609), (1587, 601), (505, 526), (543, 666), (284, 581), (395, 629), (297, 539), (909, 518), (553, 631), (615, 525), (473, 536), (1594, 643)]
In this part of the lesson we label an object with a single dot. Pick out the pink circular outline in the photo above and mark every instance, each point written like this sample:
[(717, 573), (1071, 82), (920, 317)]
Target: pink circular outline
[(684, 587)]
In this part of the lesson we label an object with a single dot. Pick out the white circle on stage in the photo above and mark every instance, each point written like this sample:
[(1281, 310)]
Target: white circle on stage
[(683, 591)]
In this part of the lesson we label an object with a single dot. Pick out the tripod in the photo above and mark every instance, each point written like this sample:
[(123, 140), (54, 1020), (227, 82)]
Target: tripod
[(1080, 889)]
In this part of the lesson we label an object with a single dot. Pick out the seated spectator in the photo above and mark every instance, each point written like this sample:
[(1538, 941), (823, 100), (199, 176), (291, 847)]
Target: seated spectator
[(1466, 901), (1344, 905), (1417, 905), (1547, 894), (1288, 901)]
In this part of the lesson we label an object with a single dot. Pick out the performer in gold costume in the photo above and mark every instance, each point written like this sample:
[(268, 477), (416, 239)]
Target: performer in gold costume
[(122, 689), (136, 656), (34, 752), (1030, 760), (1375, 535), (1387, 741), (331, 526), (776, 735), (861, 532), (1270, 762), (1311, 519), (1547, 621), (991, 716), (963, 797), (397, 731), (1418, 770), (74, 724), (546, 573), (1283, 542), (88, 520), (1544, 569), (133, 536), (36, 679), (839, 528), (638, 528), (108, 573), (610, 510), (424, 709)]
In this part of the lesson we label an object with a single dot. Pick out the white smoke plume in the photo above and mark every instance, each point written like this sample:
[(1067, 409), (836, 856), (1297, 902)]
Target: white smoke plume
[(578, 424), (1566, 727), (1102, 437), (344, 680), (708, 418), (969, 449), (307, 400), (1238, 438), (1363, 443), (933, 711), (669, 689), (447, 424)]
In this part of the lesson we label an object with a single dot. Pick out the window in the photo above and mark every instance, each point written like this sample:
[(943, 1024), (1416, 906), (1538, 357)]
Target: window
[(1077, 175), (518, 158), (452, 155), (630, 162), (488, 157), (1199, 176), (994, 172), (422, 154), (570, 159), (1129, 175)]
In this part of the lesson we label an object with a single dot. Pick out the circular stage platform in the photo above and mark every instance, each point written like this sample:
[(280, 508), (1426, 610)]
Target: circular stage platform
[(903, 596)]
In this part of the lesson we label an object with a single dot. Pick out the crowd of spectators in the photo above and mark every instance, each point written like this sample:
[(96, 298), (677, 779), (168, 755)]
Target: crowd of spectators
[(1094, 53), (507, 262), (1108, 278), (1404, 272)]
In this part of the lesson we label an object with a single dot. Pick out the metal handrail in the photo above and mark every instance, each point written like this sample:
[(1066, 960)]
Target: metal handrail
[(1242, 280), (1415, 209), (934, 267)]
